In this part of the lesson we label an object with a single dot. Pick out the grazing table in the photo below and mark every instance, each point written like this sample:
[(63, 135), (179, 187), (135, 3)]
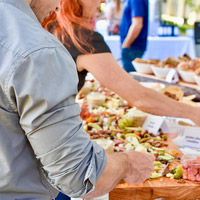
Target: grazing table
[(163, 187)]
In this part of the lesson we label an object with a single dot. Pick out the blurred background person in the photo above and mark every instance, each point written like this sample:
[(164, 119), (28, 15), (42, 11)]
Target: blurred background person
[(133, 32), (113, 12)]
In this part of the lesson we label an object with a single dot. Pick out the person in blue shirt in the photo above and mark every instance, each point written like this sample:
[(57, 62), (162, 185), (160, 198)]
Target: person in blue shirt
[(133, 31)]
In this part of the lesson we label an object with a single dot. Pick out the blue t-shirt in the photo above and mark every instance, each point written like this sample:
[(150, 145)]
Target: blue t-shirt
[(135, 8)]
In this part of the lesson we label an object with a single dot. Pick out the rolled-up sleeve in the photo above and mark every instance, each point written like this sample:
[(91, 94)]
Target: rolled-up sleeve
[(42, 89)]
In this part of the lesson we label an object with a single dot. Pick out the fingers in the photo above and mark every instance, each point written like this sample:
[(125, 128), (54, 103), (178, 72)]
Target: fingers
[(141, 166)]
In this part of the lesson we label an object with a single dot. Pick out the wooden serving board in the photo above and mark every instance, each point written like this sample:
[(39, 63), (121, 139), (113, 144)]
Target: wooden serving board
[(163, 187), (188, 88)]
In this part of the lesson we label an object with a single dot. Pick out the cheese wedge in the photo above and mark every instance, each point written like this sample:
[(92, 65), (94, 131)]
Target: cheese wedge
[(108, 145)]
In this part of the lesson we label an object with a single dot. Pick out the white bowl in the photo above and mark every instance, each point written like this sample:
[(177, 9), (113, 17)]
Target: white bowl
[(153, 85), (187, 76), (197, 79), (160, 71), (142, 67)]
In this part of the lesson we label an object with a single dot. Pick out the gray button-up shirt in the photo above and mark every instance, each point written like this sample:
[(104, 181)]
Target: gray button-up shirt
[(41, 134)]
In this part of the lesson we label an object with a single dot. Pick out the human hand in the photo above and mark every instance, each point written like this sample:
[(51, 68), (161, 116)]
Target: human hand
[(140, 167), (125, 44)]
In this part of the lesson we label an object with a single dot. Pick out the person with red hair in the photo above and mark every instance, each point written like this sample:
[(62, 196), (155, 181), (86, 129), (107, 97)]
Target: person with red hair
[(73, 25)]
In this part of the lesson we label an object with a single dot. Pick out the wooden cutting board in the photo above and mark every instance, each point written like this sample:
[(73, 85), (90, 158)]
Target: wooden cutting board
[(163, 187)]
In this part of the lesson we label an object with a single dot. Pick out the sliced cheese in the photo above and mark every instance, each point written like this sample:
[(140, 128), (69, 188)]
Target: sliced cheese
[(96, 98), (108, 145)]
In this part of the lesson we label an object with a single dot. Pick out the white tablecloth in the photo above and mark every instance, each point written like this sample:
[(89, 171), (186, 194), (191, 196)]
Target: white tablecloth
[(114, 44), (158, 47), (162, 47)]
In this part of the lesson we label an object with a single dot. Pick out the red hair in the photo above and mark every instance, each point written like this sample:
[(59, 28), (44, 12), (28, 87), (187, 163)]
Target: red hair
[(69, 22)]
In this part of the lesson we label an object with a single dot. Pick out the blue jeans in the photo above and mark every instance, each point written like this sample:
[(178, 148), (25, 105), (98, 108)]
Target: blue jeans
[(62, 197), (128, 55)]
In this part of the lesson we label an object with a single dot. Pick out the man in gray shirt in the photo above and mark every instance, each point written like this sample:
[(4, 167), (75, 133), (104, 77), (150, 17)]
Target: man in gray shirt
[(43, 147)]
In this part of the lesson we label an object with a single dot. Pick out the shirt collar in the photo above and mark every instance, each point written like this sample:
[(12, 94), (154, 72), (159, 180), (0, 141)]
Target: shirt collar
[(23, 6)]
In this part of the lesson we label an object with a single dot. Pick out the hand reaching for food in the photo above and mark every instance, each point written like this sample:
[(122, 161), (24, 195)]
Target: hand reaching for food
[(140, 167)]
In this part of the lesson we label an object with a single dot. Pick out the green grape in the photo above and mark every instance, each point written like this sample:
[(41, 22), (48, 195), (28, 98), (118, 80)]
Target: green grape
[(123, 123), (179, 172)]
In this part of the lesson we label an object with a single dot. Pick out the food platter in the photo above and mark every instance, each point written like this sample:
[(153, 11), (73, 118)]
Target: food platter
[(117, 126), (188, 88), (157, 188), (184, 67)]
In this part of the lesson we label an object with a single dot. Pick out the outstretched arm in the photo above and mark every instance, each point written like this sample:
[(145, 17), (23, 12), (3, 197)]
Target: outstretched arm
[(135, 167), (106, 70)]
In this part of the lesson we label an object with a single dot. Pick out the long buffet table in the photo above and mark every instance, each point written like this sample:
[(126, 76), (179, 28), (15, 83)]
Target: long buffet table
[(157, 47), (162, 47)]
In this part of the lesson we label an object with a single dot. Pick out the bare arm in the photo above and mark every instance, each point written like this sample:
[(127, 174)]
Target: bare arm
[(135, 167), (106, 70), (133, 32)]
